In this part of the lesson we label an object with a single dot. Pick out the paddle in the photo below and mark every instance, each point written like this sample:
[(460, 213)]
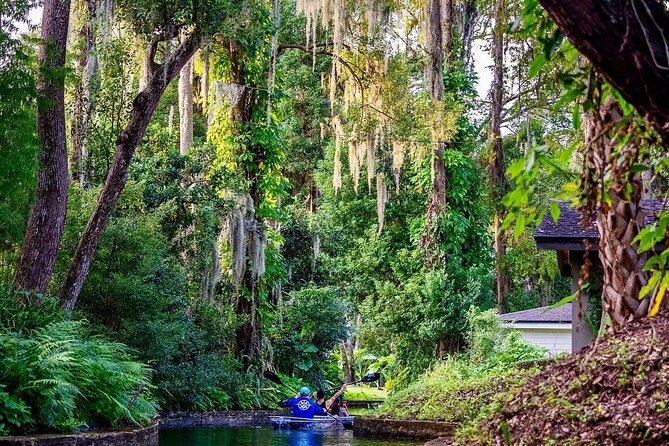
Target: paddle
[(275, 379), (368, 378)]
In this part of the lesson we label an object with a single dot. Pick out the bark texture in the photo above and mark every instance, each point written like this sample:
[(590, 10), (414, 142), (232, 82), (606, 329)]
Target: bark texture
[(142, 110), (620, 218), (496, 164), (626, 41), (186, 107), (47, 216)]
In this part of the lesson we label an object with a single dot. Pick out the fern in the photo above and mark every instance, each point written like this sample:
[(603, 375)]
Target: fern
[(57, 376)]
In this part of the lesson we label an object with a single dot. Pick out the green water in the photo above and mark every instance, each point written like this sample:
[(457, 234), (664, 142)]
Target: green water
[(267, 437)]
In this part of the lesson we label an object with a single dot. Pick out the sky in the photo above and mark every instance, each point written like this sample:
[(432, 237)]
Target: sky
[(482, 60)]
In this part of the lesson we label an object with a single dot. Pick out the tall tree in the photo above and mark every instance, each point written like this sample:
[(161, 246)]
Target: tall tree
[(434, 83), (47, 216), (143, 106), (496, 164), (87, 68)]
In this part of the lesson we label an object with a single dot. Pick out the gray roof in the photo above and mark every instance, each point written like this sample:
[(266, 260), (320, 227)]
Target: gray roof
[(568, 234), (540, 315)]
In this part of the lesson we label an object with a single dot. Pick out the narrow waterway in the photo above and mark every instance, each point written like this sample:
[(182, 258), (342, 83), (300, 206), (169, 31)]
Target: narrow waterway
[(267, 437)]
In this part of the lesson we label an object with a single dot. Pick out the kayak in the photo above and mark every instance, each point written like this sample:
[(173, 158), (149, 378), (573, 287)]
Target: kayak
[(317, 423)]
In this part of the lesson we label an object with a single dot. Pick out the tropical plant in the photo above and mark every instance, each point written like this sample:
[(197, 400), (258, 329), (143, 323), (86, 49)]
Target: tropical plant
[(58, 376)]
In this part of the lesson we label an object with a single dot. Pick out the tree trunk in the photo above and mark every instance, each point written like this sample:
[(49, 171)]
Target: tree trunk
[(434, 83), (47, 216), (204, 86), (626, 42), (469, 14), (83, 95), (142, 109), (186, 107), (248, 334), (619, 220), (348, 361), (496, 165)]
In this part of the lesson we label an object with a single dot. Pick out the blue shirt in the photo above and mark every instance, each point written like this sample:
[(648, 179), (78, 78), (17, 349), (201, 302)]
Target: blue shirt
[(304, 407)]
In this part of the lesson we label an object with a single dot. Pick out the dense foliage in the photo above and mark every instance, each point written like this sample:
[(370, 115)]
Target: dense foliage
[(462, 387), (318, 189), (57, 375)]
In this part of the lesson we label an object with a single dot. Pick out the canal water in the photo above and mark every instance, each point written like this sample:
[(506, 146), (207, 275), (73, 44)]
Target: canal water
[(268, 437)]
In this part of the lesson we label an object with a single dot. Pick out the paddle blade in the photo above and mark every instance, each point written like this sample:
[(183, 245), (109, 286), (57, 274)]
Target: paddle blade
[(272, 377), (371, 377)]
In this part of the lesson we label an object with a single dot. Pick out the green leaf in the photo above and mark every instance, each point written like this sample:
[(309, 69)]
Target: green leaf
[(650, 286), (555, 211), (576, 116), (565, 301), (519, 227), (309, 348), (638, 167), (537, 64)]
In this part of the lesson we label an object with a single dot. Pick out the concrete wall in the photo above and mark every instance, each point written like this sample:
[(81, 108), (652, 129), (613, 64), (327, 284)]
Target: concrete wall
[(147, 436), (402, 429)]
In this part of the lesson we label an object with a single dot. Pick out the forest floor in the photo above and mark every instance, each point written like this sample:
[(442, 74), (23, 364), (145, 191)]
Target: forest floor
[(614, 392)]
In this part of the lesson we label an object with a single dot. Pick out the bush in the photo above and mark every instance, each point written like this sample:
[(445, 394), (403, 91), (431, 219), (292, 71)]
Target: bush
[(312, 322), (56, 376), (463, 386), (138, 293)]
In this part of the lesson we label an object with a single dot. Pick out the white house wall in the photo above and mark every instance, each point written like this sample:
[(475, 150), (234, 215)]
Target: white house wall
[(554, 337)]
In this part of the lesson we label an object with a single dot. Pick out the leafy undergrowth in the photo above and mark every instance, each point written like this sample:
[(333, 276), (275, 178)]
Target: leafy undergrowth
[(451, 392), (466, 385), (55, 376), (365, 393), (612, 393)]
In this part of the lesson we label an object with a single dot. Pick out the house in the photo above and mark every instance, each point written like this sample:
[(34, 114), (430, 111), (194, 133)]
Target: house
[(569, 240), (545, 327)]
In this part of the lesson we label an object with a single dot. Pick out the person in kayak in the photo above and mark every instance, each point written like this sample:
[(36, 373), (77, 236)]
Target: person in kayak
[(303, 406), (328, 404)]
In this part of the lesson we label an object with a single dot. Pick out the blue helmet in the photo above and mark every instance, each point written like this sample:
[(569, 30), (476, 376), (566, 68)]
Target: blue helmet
[(304, 391)]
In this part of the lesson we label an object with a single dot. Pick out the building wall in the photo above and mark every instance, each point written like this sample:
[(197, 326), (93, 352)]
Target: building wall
[(554, 337)]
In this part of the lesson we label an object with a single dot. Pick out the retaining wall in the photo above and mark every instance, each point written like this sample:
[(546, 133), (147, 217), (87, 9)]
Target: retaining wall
[(405, 429), (147, 436), (232, 418)]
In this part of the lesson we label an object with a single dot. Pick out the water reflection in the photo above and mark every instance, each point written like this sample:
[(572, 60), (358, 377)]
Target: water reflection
[(267, 437)]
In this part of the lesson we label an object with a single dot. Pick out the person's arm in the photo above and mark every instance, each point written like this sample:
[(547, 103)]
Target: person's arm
[(331, 401), (290, 402)]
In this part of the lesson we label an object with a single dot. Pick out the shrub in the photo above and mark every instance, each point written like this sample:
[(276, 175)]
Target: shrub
[(312, 322), (463, 386), (57, 376)]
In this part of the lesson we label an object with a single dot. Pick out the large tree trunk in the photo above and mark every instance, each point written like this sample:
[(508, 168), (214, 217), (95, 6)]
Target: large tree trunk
[(248, 303), (83, 95), (186, 107), (619, 220), (142, 109), (499, 183), (626, 42), (47, 216), (434, 83)]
